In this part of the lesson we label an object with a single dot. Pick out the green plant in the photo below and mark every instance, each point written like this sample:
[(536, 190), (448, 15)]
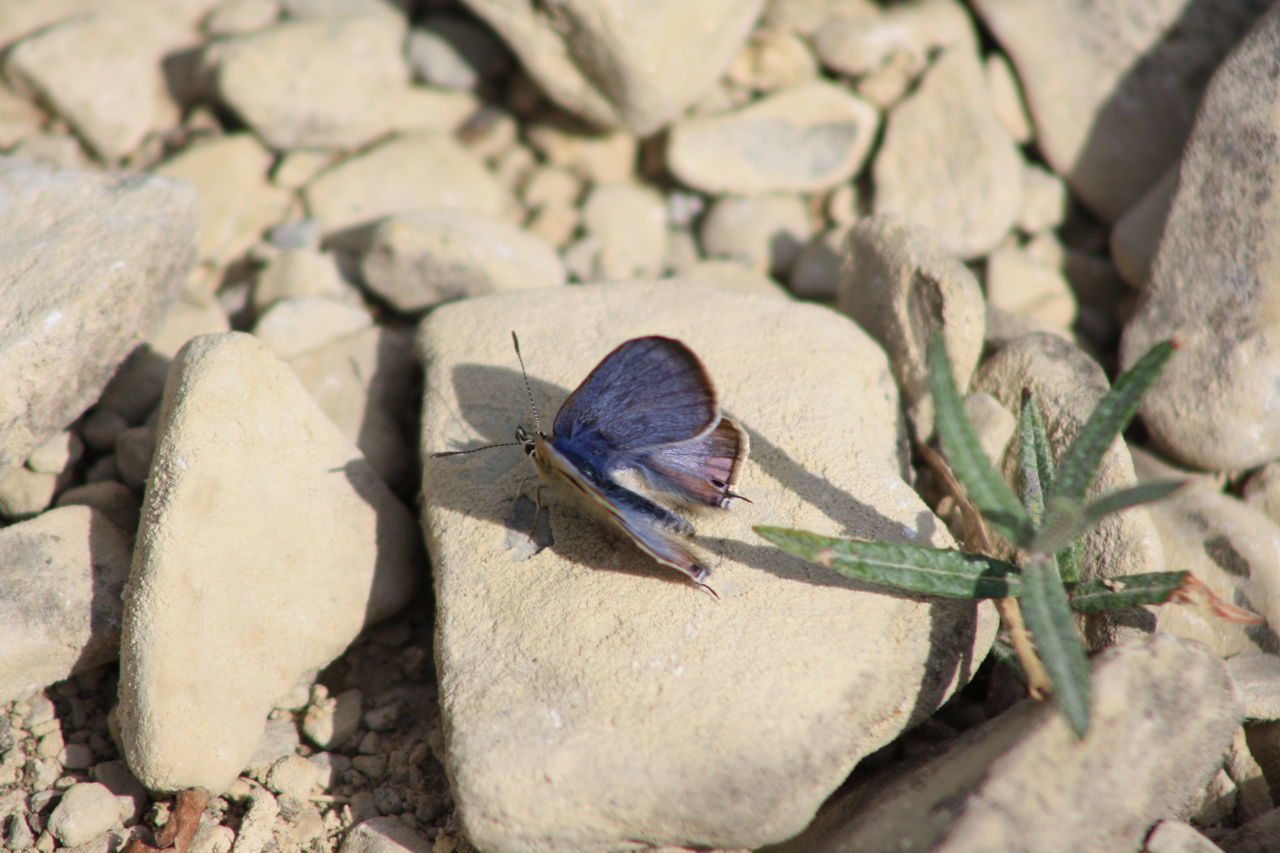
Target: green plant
[(1044, 523)]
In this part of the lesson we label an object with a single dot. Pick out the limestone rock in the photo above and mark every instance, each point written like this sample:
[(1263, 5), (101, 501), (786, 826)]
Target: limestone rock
[(92, 261), (1136, 68), (716, 724), (267, 543), (61, 575), (1025, 775), (621, 65), (1213, 282)]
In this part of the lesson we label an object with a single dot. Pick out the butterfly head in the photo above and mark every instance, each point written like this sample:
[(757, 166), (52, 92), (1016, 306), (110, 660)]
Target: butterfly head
[(527, 439)]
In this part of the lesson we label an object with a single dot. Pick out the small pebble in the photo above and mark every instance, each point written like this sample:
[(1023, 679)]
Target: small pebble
[(102, 427), (76, 756), (331, 721), (134, 449), (86, 811), (763, 232)]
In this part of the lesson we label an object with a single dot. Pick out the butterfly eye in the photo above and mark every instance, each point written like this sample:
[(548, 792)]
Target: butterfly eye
[(588, 470), (718, 483)]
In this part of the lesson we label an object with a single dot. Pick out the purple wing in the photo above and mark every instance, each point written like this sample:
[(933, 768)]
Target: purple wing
[(656, 530), (701, 470), (648, 392)]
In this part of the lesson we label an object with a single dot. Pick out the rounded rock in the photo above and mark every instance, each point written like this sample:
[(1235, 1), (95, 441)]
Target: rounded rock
[(86, 810), (419, 259), (947, 163), (807, 138), (763, 232)]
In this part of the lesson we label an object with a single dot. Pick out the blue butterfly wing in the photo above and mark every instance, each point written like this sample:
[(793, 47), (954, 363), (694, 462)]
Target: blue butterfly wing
[(656, 530), (702, 470), (648, 392)]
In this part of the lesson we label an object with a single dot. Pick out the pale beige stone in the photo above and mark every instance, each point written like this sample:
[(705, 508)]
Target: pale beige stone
[(86, 810), (946, 162), (56, 454), (645, 64), (414, 171), (301, 323), (1215, 283), (1227, 545), (541, 712), (593, 157), (19, 118), (1025, 781), (92, 263), (1017, 283), (61, 574), (763, 232), (630, 221), (1006, 98), (361, 382), (1262, 491), (732, 276), (994, 424), (857, 38), (267, 543), (237, 202), (113, 97), (1136, 237), (417, 108), (772, 60), (300, 272), (386, 835), (418, 259), (316, 83), (810, 137), (1176, 836), (902, 286), (1112, 92)]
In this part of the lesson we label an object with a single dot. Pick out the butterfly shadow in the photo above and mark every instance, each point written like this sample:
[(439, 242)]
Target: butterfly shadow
[(949, 655)]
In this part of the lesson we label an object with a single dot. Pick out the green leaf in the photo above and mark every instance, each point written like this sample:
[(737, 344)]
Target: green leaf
[(1130, 497), (1048, 614), (1129, 591), (913, 568), (1035, 460), (1069, 561), (1109, 418), (986, 487), (1064, 527)]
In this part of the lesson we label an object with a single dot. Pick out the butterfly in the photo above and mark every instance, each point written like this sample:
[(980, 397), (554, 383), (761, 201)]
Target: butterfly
[(645, 420)]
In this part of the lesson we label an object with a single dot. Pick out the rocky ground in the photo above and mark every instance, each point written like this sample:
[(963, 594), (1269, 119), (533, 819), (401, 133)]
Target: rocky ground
[(262, 258)]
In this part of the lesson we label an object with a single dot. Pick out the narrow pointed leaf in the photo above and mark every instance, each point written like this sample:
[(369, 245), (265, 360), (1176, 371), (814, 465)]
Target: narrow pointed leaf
[(1048, 615), (1130, 497), (1032, 450), (1068, 523), (1112, 414), (1096, 596), (986, 487), (912, 568)]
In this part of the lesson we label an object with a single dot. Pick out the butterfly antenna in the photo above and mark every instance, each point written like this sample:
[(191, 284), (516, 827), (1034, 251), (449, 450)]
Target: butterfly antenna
[(475, 449), (537, 423)]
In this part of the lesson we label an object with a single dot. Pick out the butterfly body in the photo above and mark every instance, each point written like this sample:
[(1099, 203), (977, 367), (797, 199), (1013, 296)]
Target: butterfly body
[(647, 417)]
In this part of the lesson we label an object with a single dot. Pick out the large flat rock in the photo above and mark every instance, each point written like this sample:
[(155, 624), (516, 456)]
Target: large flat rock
[(594, 700)]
